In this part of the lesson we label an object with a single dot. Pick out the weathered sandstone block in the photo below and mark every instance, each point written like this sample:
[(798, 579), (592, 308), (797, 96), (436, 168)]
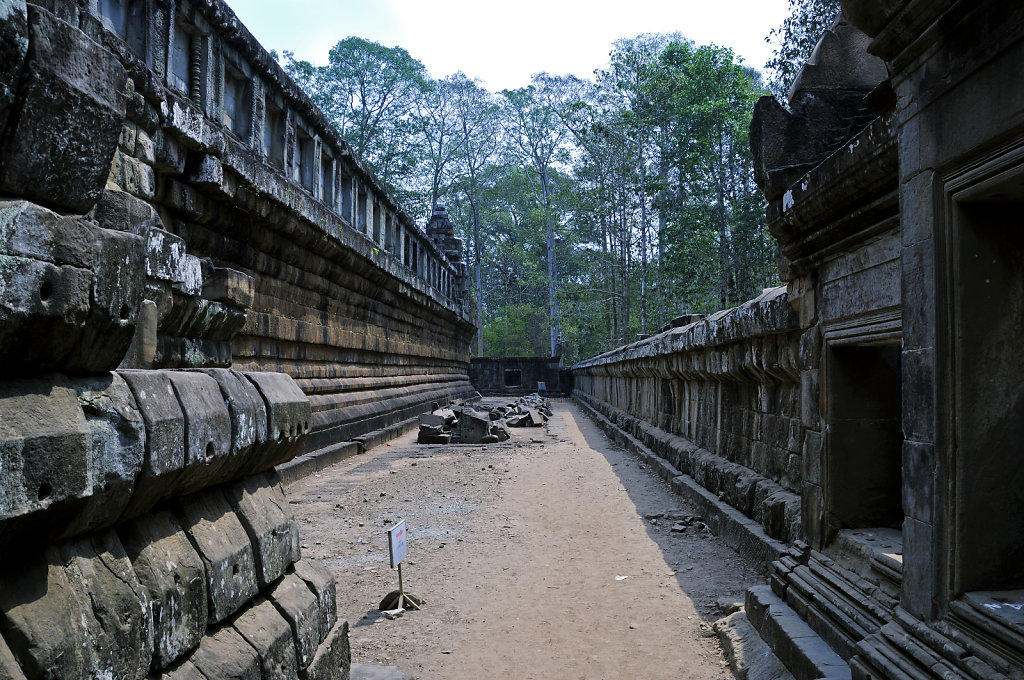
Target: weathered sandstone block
[(42, 309), (41, 619), (321, 581), (301, 608), (207, 425), (248, 415), (118, 445), (13, 50), (333, 659), (269, 523), (172, 573), (45, 447), (224, 547), (226, 655), (289, 414), (263, 627), (120, 628), (61, 139), (9, 668), (165, 435)]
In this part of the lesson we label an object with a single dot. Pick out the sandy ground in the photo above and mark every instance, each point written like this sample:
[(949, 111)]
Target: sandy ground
[(539, 557)]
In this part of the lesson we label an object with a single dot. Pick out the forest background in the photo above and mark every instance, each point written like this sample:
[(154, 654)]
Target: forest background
[(594, 210)]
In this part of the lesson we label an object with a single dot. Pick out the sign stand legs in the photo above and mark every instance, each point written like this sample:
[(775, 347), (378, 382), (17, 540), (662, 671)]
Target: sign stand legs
[(403, 601)]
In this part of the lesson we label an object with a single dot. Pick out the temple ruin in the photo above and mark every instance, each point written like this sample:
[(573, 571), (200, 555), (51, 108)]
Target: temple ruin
[(204, 291)]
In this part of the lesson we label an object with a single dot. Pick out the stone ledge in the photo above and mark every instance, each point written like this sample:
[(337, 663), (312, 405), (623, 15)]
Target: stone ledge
[(803, 652)]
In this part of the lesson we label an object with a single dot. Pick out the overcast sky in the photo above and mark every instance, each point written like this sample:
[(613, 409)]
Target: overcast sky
[(501, 42)]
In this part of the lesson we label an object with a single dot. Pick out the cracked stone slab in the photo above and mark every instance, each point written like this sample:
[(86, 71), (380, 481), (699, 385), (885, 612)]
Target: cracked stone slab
[(172, 573), (225, 655), (263, 627), (223, 544), (321, 581), (300, 608), (333, 659), (268, 521), (120, 628)]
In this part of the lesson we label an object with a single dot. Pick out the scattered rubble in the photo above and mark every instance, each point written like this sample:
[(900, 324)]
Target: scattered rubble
[(463, 423)]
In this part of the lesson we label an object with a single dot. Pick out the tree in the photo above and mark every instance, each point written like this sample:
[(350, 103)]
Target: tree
[(795, 39), (369, 92), (538, 133)]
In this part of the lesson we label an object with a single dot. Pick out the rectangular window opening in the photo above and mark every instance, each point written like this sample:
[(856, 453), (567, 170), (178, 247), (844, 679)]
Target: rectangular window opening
[(237, 101), (273, 135), (513, 377)]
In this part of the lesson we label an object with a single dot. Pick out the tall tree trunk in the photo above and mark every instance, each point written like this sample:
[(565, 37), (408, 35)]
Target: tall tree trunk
[(555, 323), (479, 288)]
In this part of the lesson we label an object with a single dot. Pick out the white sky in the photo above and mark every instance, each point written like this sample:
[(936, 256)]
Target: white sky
[(503, 43)]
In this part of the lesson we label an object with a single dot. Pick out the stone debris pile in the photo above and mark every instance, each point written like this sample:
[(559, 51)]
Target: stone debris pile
[(481, 424)]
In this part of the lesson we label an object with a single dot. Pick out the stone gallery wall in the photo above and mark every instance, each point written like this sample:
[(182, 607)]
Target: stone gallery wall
[(894, 179), (198, 283), (517, 375), (719, 400)]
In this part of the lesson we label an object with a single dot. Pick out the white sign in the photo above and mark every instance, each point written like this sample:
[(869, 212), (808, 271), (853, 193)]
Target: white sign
[(396, 543)]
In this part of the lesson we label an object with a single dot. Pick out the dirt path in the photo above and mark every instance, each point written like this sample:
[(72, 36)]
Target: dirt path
[(534, 556)]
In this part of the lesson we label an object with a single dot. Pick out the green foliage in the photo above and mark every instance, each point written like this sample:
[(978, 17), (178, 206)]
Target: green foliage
[(592, 210), (795, 39)]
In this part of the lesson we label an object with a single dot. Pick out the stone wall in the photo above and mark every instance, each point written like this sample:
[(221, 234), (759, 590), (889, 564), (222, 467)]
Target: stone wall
[(517, 375), (895, 180), (198, 282), (719, 400)]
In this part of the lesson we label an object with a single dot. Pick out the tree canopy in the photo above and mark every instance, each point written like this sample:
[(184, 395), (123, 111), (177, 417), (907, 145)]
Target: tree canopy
[(593, 210)]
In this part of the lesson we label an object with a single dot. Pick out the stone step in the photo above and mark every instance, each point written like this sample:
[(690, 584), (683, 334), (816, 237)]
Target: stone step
[(802, 650)]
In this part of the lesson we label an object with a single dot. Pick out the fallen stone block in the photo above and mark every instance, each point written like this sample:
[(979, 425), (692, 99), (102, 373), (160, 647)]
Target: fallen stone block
[(120, 628), (269, 523), (118, 445), (71, 106), (424, 438), (536, 418), (301, 609), (171, 571), (432, 422), (223, 544), (333, 659), (225, 654), (473, 426), (41, 620), (43, 308), (263, 627), (321, 581), (289, 415), (45, 449)]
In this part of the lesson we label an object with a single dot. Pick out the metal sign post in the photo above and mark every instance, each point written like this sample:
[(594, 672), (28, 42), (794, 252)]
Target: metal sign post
[(396, 550)]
